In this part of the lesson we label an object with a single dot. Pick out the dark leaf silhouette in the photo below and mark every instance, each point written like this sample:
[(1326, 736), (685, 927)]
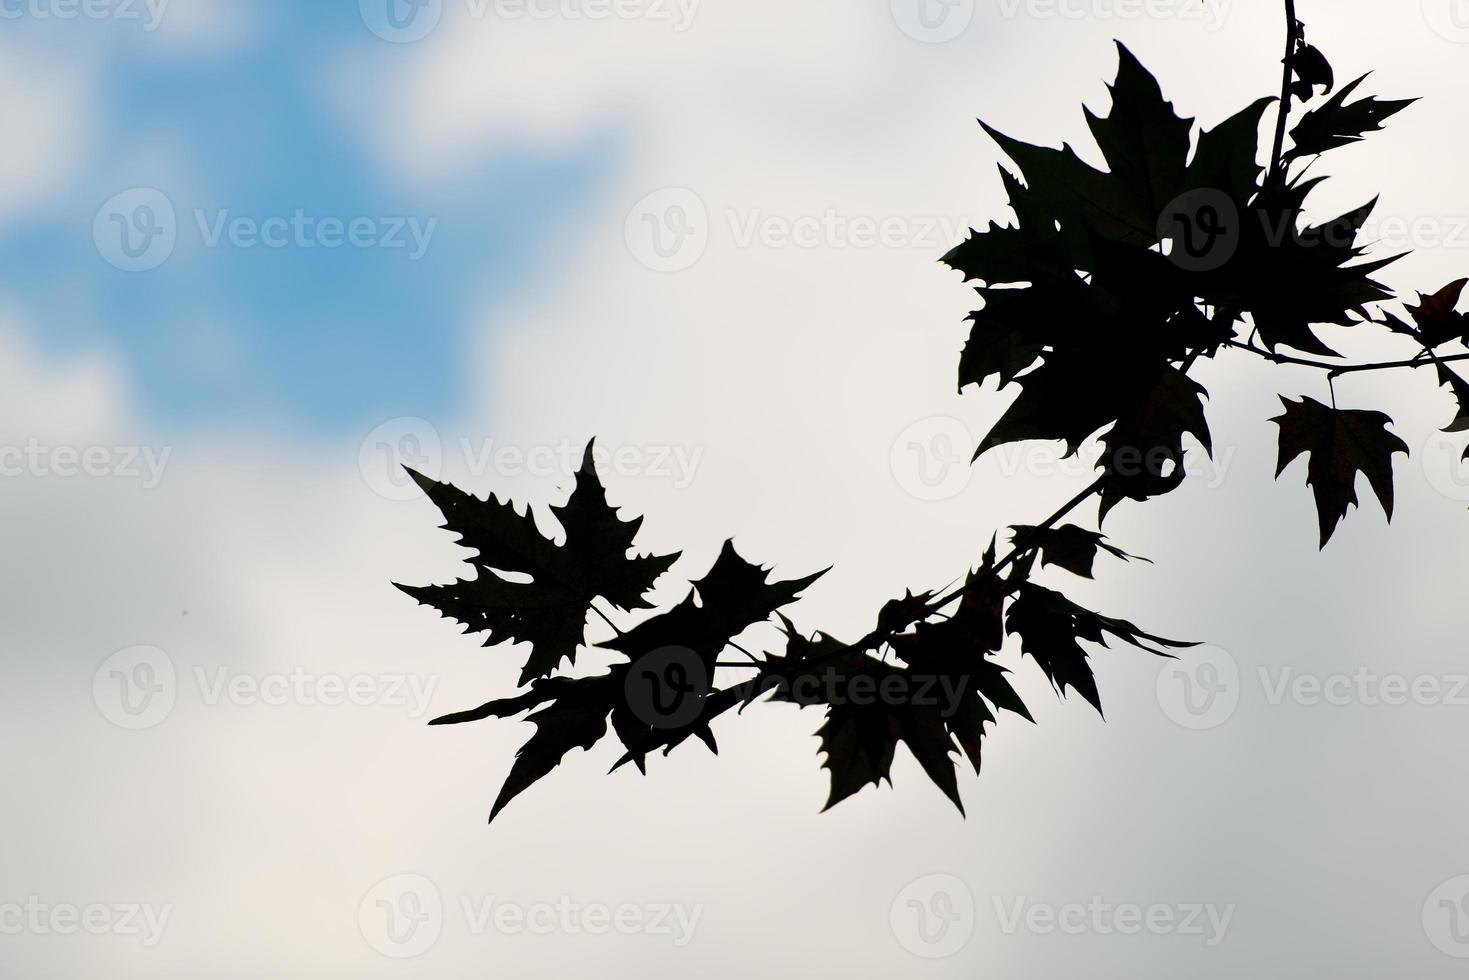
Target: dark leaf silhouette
[(1341, 443), (1311, 69), (1437, 321), (1051, 626), (549, 612), (1334, 123), (1068, 546)]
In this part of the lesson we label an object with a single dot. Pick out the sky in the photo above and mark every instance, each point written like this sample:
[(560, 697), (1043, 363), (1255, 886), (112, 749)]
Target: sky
[(257, 254)]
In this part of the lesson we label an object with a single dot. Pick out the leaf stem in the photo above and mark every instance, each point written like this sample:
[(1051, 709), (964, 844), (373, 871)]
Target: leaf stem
[(1292, 38)]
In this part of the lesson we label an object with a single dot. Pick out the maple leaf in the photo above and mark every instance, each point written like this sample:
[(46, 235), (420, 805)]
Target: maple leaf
[(1142, 140), (1225, 156), (571, 714), (1143, 452), (1334, 123), (1031, 251), (733, 596), (1068, 546), (1460, 389), (1051, 626), (1290, 278), (1342, 443), (549, 612), (1437, 321)]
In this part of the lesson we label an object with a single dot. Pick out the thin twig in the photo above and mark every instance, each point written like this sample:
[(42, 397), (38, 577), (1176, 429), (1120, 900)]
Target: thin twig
[(1416, 361), (1292, 36)]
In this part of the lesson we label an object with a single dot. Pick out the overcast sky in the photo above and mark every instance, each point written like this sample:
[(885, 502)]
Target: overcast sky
[(256, 253)]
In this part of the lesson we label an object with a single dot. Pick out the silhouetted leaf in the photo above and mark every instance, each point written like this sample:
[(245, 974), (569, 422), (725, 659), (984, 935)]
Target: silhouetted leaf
[(1051, 626), (549, 612), (1311, 69), (573, 716), (1437, 321), (1460, 388), (733, 596), (1341, 444), (1068, 546), (1225, 157), (1143, 454), (1334, 123)]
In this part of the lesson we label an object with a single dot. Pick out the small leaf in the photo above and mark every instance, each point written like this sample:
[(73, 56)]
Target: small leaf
[(1068, 546), (1342, 443), (1311, 69), (1437, 321), (1334, 123)]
